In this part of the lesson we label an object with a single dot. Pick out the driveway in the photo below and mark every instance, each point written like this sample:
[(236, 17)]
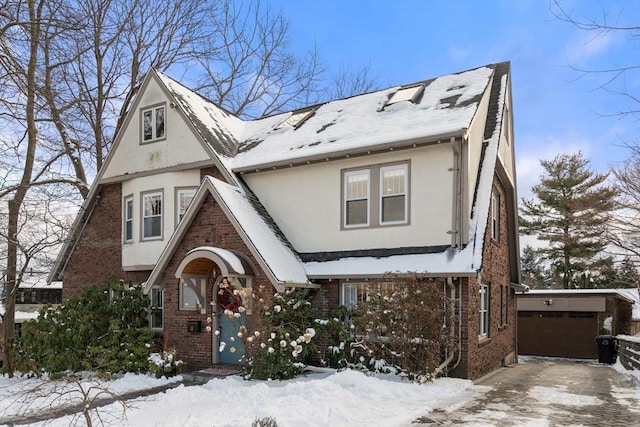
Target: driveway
[(547, 392)]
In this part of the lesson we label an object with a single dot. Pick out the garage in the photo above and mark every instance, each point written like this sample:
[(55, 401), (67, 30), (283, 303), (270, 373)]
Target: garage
[(558, 334), (565, 323)]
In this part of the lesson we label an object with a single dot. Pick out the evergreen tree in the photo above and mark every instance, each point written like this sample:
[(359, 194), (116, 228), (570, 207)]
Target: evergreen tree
[(570, 210), (532, 269)]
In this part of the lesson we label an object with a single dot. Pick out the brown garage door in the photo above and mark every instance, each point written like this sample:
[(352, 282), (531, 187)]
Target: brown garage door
[(558, 334)]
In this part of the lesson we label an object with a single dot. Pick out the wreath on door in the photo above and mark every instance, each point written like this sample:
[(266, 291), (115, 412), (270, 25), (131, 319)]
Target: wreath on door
[(227, 299)]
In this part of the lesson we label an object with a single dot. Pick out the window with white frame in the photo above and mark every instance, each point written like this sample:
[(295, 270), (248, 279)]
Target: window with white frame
[(156, 311), (354, 293), (393, 194), (356, 198), (184, 196), (128, 219), (153, 124), (189, 293), (495, 215), (484, 311), (152, 215), (377, 195)]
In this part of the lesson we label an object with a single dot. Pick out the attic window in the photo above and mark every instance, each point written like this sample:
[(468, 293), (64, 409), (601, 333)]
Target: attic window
[(411, 93), (296, 119)]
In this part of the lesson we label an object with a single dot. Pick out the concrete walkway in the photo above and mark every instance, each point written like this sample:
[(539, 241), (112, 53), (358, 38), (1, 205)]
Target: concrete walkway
[(548, 392)]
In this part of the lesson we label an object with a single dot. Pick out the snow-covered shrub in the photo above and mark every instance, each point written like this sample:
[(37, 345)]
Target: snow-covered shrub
[(103, 330), (165, 362), (281, 344), (403, 327)]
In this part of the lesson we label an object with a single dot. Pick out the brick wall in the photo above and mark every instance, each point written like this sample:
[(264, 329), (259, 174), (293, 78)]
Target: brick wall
[(98, 252), (210, 227), (483, 355)]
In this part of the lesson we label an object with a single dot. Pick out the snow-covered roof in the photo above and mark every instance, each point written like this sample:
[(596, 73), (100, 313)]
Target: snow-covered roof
[(23, 312), (447, 105), (277, 255), (630, 294)]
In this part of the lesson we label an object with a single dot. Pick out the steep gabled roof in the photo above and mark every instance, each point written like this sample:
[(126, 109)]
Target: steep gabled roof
[(260, 235)]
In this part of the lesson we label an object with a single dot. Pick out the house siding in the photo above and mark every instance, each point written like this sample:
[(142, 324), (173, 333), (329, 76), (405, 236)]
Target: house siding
[(210, 227)]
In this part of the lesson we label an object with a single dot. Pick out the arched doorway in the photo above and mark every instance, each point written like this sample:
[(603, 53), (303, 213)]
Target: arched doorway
[(226, 303)]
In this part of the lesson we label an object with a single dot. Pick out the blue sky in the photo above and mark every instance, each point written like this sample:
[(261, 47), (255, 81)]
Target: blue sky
[(555, 109)]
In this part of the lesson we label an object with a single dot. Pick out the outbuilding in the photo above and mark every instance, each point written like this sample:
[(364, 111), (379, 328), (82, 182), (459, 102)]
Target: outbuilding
[(565, 323)]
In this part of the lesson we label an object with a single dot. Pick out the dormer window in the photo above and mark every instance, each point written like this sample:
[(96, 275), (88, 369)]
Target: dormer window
[(153, 124), (411, 93), (296, 119)]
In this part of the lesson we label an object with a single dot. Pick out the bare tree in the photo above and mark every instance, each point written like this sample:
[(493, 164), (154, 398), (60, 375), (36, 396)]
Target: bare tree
[(618, 78), (70, 71), (624, 231)]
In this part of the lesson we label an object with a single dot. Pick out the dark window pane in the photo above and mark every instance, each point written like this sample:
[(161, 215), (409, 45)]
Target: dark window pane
[(147, 119), (152, 227), (128, 235), (356, 212), (393, 209), (160, 122)]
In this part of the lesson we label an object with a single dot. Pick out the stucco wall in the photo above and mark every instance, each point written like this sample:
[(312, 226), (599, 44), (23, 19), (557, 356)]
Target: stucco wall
[(306, 202)]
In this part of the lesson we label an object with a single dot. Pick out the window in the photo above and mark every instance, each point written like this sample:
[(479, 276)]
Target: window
[(375, 196), (504, 304), (296, 120), (188, 295), (411, 93), (495, 215), (484, 311), (393, 200), (353, 293), (153, 124), (128, 219), (356, 202), (157, 308), (183, 199), (152, 215)]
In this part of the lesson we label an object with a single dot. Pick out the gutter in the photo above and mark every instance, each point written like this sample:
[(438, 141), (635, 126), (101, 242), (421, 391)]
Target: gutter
[(354, 152)]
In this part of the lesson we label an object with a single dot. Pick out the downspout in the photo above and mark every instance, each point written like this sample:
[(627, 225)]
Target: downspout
[(456, 221), (449, 359)]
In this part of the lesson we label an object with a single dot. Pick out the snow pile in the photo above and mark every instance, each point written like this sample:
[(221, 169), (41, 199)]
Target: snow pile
[(319, 399)]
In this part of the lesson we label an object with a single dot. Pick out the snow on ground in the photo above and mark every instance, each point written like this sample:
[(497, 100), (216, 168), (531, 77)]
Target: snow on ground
[(318, 399), (559, 395)]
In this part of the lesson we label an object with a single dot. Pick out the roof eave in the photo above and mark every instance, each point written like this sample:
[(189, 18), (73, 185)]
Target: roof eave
[(355, 152)]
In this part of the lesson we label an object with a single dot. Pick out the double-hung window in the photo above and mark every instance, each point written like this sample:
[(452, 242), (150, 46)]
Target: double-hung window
[(183, 199), (393, 194), (484, 312), (356, 200), (152, 215), (375, 196), (128, 219), (495, 215), (153, 124), (157, 308)]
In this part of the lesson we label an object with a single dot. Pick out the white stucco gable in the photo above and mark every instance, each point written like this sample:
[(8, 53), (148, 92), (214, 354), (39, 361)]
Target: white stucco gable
[(176, 147)]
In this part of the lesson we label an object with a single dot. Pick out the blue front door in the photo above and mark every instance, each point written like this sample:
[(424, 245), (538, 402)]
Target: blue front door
[(230, 320)]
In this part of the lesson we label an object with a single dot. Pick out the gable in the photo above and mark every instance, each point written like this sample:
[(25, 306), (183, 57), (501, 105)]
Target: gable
[(177, 146), (257, 235)]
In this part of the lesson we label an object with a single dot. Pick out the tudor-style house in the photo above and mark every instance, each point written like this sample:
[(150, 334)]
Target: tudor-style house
[(414, 178)]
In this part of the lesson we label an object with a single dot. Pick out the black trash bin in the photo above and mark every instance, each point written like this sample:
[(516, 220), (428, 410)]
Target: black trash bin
[(607, 349)]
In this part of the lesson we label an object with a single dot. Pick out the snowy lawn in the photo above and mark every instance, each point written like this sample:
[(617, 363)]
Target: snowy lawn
[(318, 399)]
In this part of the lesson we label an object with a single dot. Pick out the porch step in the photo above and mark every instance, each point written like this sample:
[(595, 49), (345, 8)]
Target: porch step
[(203, 376)]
